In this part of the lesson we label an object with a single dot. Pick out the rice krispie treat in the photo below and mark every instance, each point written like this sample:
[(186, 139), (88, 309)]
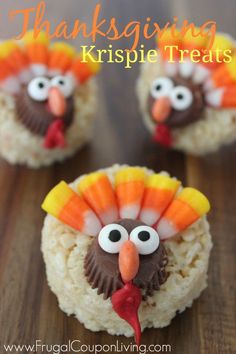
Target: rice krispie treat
[(125, 248), (47, 100), (190, 106)]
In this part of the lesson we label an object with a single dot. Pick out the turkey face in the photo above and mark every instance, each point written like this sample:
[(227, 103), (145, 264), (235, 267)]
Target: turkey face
[(175, 102), (45, 100), (137, 246)]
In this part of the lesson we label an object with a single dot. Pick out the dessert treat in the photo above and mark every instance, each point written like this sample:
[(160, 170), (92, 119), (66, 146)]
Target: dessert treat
[(47, 100), (125, 248), (190, 106)]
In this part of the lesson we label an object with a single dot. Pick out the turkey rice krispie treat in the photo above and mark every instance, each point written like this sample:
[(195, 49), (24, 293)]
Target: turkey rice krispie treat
[(190, 106), (47, 100), (125, 248)]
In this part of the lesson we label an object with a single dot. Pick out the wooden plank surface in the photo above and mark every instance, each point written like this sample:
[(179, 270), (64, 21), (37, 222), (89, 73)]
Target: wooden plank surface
[(28, 310)]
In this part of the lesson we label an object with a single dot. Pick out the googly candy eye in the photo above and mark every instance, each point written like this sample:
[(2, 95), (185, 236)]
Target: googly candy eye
[(112, 237), (65, 84), (38, 88), (161, 87), (181, 98), (146, 239)]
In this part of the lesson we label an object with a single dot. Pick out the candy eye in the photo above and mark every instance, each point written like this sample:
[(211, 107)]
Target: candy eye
[(161, 87), (38, 88), (112, 237), (65, 83), (145, 238), (181, 98)]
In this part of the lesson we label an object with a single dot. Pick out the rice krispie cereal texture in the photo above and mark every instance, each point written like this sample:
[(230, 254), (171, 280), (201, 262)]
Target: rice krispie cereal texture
[(19, 146), (216, 128), (64, 251)]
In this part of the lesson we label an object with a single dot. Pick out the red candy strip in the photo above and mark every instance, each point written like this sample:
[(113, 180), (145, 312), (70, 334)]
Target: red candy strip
[(163, 135), (126, 302), (55, 135)]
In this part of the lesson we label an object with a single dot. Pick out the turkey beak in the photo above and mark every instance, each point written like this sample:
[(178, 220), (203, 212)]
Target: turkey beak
[(56, 102), (128, 261), (161, 109)]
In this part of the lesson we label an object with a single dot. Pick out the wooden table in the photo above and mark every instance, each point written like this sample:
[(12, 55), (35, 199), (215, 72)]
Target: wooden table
[(28, 309)]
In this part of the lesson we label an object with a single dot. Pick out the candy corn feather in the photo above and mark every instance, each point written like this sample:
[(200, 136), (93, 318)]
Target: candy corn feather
[(60, 57), (98, 192), (82, 71), (168, 38), (222, 42), (159, 192), (192, 40), (129, 187), (16, 59), (37, 51), (67, 206), (185, 209), (222, 97), (8, 80), (224, 75)]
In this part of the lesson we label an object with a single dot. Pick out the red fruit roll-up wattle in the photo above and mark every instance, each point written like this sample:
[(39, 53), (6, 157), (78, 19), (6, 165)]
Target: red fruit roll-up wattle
[(126, 302), (55, 135), (162, 135)]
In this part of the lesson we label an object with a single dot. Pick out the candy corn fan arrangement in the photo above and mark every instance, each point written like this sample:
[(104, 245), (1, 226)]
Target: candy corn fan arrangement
[(47, 100), (190, 106), (125, 248)]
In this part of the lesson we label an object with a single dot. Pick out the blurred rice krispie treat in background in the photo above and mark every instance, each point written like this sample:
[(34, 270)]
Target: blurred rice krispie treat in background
[(186, 105), (125, 248), (47, 100)]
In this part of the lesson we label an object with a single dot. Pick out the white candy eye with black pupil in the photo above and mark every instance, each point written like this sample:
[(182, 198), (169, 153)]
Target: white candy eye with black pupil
[(112, 237), (161, 87), (65, 84), (146, 239), (181, 98), (38, 88)]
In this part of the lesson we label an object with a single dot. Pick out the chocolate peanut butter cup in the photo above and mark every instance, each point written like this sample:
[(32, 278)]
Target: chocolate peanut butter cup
[(36, 115)]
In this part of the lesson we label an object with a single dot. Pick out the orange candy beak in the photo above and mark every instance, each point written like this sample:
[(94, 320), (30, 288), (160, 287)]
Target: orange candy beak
[(128, 261), (161, 109), (56, 102)]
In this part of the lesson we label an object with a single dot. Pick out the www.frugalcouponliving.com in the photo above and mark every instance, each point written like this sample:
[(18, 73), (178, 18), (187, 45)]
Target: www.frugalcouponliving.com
[(75, 346)]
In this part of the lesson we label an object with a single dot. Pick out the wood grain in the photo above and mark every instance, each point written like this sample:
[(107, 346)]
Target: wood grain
[(28, 309)]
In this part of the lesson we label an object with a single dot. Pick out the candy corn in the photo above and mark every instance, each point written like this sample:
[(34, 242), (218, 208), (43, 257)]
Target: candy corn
[(185, 209), (193, 39), (222, 97), (223, 42), (60, 58), (159, 192), (16, 59), (129, 185), (67, 206), (169, 38), (201, 74), (186, 68), (229, 97), (169, 55), (82, 71), (8, 80), (214, 98), (37, 52), (224, 75), (97, 191)]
